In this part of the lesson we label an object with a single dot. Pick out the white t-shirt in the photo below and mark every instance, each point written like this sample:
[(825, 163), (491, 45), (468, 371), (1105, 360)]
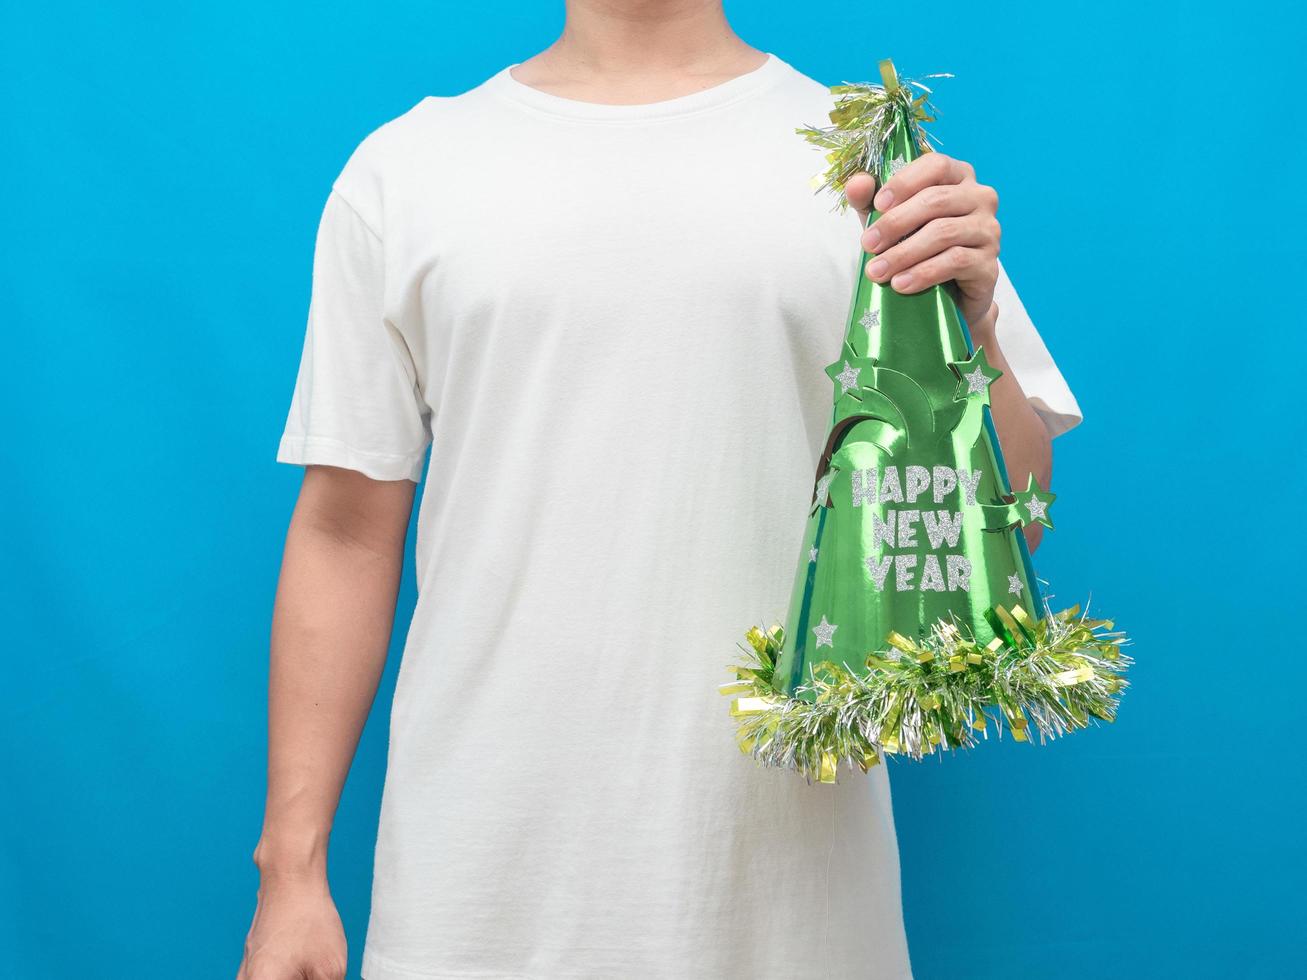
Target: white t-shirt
[(610, 324)]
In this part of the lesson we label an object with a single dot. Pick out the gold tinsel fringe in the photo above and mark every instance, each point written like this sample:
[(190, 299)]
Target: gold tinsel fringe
[(861, 123), (946, 691)]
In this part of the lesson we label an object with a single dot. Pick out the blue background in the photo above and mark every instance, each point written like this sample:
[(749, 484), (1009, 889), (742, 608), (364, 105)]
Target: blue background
[(165, 166)]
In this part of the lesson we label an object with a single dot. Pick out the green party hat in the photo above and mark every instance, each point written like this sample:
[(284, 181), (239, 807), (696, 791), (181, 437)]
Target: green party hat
[(915, 612)]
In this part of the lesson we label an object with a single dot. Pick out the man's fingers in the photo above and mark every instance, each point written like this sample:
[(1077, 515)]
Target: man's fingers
[(967, 237), (938, 201), (955, 262), (927, 169), (858, 191)]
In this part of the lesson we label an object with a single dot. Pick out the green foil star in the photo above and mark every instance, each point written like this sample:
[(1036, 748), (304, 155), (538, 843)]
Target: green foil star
[(975, 375), (1032, 504), (845, 375)]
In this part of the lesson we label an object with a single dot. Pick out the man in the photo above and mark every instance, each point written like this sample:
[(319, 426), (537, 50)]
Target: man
[(601, 290)]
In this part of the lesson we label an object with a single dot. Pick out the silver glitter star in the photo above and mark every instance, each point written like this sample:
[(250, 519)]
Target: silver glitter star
[(1038, 509), (823, 488), (977, 381), (848, 378), (895, 165), (812, 554), (825, 633), (871, 319), (1014, 584)]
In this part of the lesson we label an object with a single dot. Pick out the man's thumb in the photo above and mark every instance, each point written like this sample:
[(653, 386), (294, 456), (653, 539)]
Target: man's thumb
[(859, 191)]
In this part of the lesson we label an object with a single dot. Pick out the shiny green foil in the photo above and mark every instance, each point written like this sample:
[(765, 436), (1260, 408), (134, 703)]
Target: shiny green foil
[(910, 407)]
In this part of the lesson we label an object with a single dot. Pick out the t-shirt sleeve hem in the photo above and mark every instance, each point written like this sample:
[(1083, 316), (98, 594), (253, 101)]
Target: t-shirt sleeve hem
[(1055, 421), (322, 451)]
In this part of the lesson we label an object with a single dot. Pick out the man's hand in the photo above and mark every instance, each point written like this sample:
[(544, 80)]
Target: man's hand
[(296, 933), (951, 220)]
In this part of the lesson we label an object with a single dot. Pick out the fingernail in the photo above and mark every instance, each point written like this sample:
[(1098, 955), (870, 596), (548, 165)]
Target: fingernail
[(877, 268), (902, 281), (871, 239), (884, 199)]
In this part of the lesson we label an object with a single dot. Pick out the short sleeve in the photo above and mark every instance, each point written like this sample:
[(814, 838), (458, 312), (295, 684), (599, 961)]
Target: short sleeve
[(356, 402), (1031, 362)]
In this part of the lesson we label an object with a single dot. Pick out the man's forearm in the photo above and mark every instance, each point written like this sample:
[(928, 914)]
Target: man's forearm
[(1027, 448), (331, 628)]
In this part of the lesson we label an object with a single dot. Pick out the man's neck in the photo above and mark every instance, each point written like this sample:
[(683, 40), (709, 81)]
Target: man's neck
[(630, 52)]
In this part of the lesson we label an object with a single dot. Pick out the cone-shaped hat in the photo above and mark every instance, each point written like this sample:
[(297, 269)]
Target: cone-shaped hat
[(913, 546), (911, 520)]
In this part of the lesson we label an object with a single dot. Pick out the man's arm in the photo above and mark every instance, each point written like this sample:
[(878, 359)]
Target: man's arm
[(1022, 435), (331, 627)]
